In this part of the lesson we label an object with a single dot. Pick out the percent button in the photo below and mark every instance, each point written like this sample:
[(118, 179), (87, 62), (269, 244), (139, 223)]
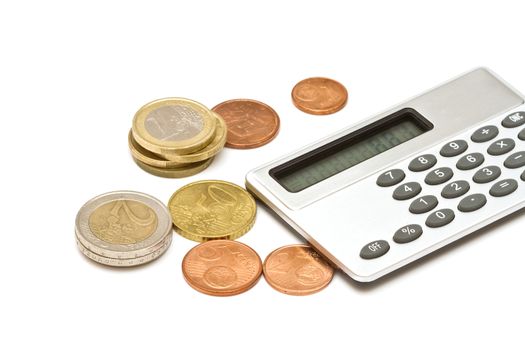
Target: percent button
[(408, 233)]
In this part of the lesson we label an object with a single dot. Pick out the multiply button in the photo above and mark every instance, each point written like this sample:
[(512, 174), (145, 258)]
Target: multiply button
[(440, 218), (422, 163), (407, 191), (513, 120), (472, 202), (501, 147), (515, 160), (374, 249), (454, 148), (503, 188), (408, 233), (470, 161), (485, 134), (390, 178)]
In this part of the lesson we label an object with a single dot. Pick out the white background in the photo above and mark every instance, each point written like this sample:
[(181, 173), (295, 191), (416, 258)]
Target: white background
[(71, 77)]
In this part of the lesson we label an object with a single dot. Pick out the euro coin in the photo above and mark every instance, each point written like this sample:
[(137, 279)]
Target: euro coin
[(212, 209), (173, 126), (221, 268), (319, 96), (250, 123), (178, 172), (147, 157), (123, 225), (297, 270)]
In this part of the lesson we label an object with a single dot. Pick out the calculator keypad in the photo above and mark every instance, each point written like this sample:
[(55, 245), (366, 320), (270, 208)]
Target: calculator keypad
[(407, 234), (406, 191), (391, 177), (515, 160), (470, 161), (423, 204), (455, 189), (440, 218), (422, 163), (454, 148), (374, 249), (500, 147), (485, 133), (486, 174), (472, 202), (503, 188), (439, 176), (521, 135), (514, 120)]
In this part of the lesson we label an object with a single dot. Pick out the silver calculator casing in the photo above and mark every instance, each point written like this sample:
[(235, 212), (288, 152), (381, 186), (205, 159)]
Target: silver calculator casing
[(340, 215)]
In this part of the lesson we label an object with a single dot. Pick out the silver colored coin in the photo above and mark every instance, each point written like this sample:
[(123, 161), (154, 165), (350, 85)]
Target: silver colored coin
[(125, 262), (123, 225), (174, 123)]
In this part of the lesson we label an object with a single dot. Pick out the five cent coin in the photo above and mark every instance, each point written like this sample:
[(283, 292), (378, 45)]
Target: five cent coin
[(297, 270), (319, 96), (221, 267), (250, 123)]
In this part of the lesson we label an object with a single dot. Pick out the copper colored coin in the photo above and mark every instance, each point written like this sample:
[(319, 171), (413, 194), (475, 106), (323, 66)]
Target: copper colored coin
[(250, 123), (297, 270), (319, 96), (221, 267)]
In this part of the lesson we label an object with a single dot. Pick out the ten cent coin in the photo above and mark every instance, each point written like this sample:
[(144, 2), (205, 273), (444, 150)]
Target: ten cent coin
[(297, 270), (221, 267), (319, 96)]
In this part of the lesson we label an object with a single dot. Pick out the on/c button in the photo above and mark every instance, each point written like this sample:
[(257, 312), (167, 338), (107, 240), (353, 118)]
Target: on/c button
[(374, 249)]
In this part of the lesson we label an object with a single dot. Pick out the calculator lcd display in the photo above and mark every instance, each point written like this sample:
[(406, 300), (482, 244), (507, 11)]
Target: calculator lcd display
[(349, 150)]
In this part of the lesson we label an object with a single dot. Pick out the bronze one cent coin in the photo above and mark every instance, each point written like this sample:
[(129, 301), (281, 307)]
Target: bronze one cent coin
[(221, 267), (319, 96), (250, 123), (297, 270)]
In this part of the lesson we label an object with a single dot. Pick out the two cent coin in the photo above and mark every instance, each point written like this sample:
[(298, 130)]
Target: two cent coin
[(319, 96)]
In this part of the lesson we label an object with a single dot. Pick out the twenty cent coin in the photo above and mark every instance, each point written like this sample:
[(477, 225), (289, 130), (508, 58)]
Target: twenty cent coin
[(297, 270), (213, 209), (221, 267), (123, 225), (319, 96), (250, 123)]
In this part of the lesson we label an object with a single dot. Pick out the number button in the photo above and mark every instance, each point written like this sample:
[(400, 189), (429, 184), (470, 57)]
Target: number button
[(485, 134), (439, 176), (455, 189), (454, 148), (407, 234), (440, 218), (514, 120), (515, 160), (473, 202), (406, 191), (486, 174), (521, 135), (423, 204), (503, 188), (470, 161), (501, 147), (422, 163), (374, 249), (391, 178)]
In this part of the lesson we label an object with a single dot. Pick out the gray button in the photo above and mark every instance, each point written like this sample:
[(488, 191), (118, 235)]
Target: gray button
[(440, 218), (521, 135), (391, 177), (454, 148), (439, 176), (422, 163), (500, 147), (470, 161), (515, 160), (485, 133), (513, 120), (407, 190), (523, 176), (408, 233), (472, 202), (503, 188), (486, 174), (455, 189), (423, 204), (374, 249)]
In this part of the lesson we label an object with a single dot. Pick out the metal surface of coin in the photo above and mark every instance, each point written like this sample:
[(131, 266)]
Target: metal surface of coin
[(123, 225), (213, 209), (250, 123), (175, 173), (173, 125), (126, 262), (145, 156), (319, 96), (297, 270), (214, 147), (221, 267)]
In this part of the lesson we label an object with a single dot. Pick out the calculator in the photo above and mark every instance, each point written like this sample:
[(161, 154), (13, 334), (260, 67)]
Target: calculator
[(381, 194)]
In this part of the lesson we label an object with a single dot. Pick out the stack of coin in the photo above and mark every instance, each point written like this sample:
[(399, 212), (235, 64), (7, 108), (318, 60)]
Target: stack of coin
[(123, 228), (176, 137)]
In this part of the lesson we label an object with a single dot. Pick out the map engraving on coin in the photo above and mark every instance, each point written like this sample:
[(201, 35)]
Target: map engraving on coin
[(174, 123)]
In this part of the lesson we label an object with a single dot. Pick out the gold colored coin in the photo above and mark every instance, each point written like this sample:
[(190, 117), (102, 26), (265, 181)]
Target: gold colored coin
[(183, 171), (143, 155), (123, 222), (212, 209), (173, 126), (214, 147)]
